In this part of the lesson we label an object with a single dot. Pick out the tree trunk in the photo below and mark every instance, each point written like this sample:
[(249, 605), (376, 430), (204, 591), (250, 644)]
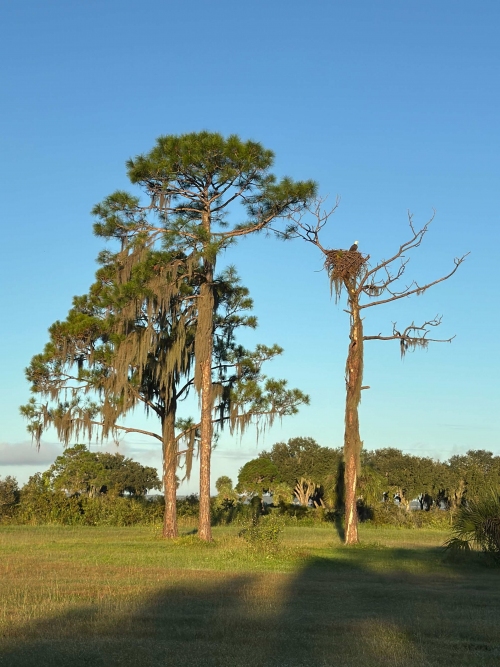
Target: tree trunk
[(169, 470), (204, 528), (352, 441), (204, 338), (303, 490)]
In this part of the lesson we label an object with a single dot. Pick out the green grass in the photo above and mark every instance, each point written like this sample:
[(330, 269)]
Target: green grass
[(121, 596)]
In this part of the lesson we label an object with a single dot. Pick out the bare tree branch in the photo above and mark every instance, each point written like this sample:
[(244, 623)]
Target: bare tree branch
[(304, 230), (130, 430), (414, 335), (419, 289)]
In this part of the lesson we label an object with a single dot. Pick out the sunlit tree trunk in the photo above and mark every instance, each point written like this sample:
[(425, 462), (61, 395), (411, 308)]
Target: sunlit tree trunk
[(206, 427), (352, 440), (169, 470), (204, 528), (203, 351)]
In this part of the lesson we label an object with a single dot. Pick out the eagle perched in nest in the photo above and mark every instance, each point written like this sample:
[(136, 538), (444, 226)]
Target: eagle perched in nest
[(354, 246)]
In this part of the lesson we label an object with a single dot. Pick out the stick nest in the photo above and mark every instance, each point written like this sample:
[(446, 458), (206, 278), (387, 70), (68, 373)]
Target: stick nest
[(343, 267)]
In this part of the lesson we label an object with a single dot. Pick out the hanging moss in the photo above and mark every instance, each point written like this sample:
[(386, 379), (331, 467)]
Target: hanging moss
[(406, 343), (204, 332)]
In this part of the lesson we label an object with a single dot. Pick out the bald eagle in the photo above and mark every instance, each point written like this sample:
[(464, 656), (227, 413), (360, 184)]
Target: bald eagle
[(354, 246)]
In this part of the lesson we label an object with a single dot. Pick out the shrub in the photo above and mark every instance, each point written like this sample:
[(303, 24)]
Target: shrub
[(477, 526), (387, 514), (9, 497), (116, 511), (307, 516), (265, 534), (188, 507), (40, 505)]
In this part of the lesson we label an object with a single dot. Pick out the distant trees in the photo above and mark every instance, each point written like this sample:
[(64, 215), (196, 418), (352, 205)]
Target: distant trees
[(407, 477), (455, 482), (299, 468), (83, 487), (470, 474), (93, 487), (81, 471), (304, 469), (257, 477), (309, 470), (227, 496), (9, 496)]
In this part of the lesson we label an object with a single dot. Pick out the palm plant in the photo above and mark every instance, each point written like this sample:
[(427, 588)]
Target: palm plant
[(477, 525)]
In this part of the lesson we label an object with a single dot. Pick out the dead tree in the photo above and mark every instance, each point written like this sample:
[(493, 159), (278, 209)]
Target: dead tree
[(365, 286)]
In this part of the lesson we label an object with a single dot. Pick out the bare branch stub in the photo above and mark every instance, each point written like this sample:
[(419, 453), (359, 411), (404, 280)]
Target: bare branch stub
[(344, 267)]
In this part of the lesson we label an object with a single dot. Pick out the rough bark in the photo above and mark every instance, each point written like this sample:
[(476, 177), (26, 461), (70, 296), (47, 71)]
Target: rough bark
[(169, 470), (457, 495), (206, 427), (203, 351), (352, 440)]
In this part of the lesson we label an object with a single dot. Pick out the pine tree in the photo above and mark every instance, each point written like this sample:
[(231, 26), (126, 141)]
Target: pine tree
[(192, 182)]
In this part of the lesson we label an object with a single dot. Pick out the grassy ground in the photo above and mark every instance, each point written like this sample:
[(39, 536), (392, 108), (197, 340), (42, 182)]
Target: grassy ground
[(121, 596)]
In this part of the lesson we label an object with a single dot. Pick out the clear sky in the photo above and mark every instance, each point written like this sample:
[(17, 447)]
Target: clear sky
[(391, 105)]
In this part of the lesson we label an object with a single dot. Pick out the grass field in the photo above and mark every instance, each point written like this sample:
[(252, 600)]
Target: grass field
[(121, 596)]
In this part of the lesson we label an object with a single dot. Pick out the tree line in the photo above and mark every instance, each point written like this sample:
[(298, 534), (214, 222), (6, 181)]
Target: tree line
[(83, 486), (159, 323), (312, 474), (92, 486)]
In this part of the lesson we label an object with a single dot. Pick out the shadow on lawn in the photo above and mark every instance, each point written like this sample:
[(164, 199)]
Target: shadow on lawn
[(338, 612)]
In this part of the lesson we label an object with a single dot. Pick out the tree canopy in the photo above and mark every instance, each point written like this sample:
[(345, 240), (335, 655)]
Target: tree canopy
[(257, 477), (158, 321), (79, 470)]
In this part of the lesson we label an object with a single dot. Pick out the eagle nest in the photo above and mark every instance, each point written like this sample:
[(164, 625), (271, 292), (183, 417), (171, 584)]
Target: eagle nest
[(343, 266)]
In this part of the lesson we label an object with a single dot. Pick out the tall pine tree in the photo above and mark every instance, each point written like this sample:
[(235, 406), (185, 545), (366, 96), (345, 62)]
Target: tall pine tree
[(192, 182)]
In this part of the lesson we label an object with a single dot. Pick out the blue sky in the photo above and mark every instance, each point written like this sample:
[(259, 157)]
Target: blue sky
[(391, 105)]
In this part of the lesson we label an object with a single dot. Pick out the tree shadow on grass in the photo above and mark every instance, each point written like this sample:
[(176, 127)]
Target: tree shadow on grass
[(339, 526), (340, 501), (379, 607), (364, 607)]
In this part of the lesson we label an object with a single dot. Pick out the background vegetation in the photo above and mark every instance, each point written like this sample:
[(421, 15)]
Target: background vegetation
[(306, 480)]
